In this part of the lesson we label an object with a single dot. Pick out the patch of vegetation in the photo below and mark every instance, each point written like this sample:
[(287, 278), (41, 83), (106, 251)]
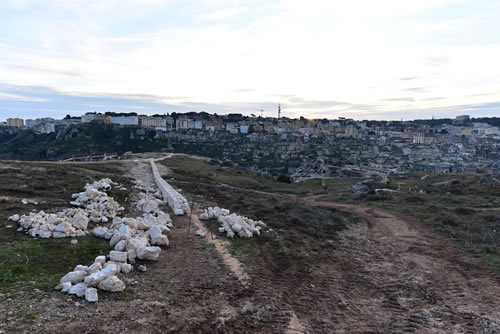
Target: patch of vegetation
[(45, 260), (29, 263), (461, 207), (284, 178), (191, 170), (295, 229)]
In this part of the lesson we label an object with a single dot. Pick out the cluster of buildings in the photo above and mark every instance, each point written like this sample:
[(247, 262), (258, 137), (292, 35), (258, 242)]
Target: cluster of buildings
[(306, 147)]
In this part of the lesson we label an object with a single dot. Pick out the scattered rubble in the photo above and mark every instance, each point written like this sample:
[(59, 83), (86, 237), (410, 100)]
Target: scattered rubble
[(93, 205), (232, 223), (131, 238)]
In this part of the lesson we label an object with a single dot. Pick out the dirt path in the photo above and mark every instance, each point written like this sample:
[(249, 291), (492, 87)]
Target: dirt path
[(230, 261), (400, 277)]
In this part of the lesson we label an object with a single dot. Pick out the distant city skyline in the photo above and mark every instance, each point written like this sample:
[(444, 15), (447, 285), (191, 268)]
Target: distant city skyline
[(389, 59)]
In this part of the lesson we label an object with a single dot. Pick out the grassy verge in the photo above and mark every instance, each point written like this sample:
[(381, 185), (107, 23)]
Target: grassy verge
[(461, 207), (192, 170), (299, 232)]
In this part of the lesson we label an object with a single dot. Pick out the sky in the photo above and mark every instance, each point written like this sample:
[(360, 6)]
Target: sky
[(362, 59)]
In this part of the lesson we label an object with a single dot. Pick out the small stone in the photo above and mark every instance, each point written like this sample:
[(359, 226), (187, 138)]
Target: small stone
[(157, 237), (81, 268), (80, 221), (95, 278), (95, 267), (14, 218), (115, 239), (44, 234), (73, 277), (91, 295), (100, 231), (66, 286), (148, 253), (126, 268), (74, 242), (142, 268), (199, 233), (118, 256), (120, 246), (100, 259), (112, 284), (78, 289)]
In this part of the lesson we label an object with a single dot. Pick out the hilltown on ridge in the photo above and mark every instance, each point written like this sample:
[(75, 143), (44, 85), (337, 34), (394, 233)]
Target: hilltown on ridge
[(308, 147)]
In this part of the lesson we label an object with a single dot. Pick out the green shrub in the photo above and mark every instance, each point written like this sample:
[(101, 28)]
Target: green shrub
[(284, 178), (463, 211)]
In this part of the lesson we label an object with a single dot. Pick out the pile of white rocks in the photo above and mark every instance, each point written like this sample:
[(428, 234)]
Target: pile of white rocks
[(232, 223), (93, 204), (96, 202), (149, 202), (131, 238), (174, 199)]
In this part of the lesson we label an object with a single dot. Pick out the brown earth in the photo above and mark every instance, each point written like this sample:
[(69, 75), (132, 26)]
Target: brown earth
[(387, 275)]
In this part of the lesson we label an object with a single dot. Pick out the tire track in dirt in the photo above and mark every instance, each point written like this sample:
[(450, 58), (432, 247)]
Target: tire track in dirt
[(405, 278)]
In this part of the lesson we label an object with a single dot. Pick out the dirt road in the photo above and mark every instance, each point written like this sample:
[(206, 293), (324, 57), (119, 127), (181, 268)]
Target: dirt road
[(393, 275)]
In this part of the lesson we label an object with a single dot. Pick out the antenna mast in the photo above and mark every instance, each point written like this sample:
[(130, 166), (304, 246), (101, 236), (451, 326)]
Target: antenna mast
[(279, 111)]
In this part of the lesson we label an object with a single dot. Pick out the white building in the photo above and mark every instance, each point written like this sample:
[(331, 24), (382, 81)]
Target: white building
[(125, 120), (29, 123), (244, 128), (154, 122)]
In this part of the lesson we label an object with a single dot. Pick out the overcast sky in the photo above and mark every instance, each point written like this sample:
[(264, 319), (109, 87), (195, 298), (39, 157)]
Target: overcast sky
[(364, 59)]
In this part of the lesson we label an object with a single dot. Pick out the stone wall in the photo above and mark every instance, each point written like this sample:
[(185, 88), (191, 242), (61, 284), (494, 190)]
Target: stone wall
[(175, 201)]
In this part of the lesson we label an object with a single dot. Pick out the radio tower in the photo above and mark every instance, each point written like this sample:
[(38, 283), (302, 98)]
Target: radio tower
[(279, 111)]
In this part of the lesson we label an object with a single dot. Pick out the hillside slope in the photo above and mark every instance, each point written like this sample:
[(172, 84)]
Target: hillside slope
[(321, 267)]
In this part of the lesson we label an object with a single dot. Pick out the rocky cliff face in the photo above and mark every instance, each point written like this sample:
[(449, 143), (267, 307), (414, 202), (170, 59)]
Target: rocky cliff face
[(69, 141)]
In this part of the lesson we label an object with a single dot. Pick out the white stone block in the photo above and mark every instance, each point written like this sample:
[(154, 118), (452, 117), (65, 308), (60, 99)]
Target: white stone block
[(73, 277), (126, 268), (66, 286), (157, 237), (118, 256), (148, 253), (78, 289), (94, 279), (91, 295), (95, 267), (100, 259), (112, 284), (81, 268), (100, 231)]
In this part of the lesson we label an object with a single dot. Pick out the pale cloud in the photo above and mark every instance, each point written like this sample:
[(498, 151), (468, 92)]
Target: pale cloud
[(238, 53), (14, 97)]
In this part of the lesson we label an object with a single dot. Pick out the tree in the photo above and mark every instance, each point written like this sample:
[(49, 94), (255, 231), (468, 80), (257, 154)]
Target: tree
[(285, 178)]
